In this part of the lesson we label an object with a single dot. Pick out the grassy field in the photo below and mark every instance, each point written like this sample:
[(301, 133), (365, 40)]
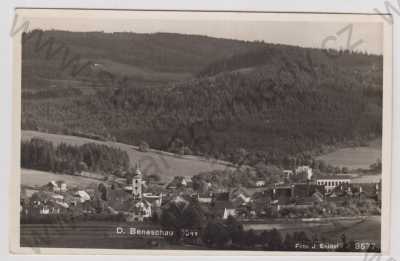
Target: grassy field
[(144, 74), (353, 158), (167, 165), (33, 178), (362, 229)]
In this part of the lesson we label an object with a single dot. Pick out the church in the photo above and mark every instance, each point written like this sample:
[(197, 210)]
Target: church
[(141, 204)]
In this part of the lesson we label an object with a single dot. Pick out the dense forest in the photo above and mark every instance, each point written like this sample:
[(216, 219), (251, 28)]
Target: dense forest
[(201, 95), (68, 159)]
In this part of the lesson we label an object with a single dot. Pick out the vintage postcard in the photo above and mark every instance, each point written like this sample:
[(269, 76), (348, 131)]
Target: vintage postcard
[(191, 132)]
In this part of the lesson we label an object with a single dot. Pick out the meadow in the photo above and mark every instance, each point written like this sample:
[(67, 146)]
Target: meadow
[(33, 178), (166, 165), (367, 229), (354, 157)]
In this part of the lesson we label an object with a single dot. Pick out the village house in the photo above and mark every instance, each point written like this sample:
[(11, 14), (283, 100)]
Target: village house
[(288, 173), (59, 186), (186, 181), (82, 196), (304, 169), (204, 198), (155, 200), (241, 199)]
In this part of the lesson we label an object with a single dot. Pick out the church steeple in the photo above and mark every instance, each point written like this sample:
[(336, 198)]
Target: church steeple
[(137, 183), (138, 172)]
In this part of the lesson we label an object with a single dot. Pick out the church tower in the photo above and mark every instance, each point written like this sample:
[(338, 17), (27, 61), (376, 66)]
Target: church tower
[(137, 183)]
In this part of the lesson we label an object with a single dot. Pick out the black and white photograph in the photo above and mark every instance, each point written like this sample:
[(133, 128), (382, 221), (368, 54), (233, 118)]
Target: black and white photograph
[(202, 131)]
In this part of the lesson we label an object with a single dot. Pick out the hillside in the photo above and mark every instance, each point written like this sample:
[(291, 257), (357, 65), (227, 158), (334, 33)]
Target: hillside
[(144, 58), (166, 165), (208, 96)]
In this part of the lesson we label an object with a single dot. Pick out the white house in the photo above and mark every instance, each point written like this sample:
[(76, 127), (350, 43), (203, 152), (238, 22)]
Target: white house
[(244, 198), (305, 169), (288, 172), (82, 195), (186, 181), (63, 187)]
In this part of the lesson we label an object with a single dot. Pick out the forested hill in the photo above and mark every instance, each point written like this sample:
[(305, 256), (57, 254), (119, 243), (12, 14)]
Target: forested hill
[(308, 58), (161, 52), (268, 102)]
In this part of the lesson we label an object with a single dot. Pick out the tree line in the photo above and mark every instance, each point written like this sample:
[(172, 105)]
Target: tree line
[(42, 155)]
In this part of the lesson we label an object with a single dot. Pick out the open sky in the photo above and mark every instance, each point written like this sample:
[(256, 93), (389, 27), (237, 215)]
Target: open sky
[(331, 34)]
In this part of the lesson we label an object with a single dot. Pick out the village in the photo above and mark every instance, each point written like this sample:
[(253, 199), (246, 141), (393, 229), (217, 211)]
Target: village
[(138, 198)]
